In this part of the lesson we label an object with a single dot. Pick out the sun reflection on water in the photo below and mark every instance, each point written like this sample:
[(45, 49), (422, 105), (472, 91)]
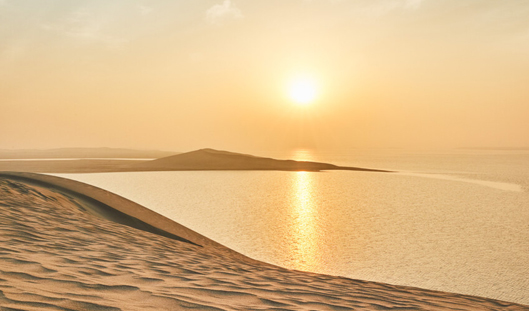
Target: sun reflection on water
[(304, 236)]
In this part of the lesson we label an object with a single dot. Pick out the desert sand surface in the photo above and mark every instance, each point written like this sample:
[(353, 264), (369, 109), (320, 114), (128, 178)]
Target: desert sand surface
[(203, 159), (65, 245)]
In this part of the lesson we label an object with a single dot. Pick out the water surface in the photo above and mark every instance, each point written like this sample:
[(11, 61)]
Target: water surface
[(452, 222)]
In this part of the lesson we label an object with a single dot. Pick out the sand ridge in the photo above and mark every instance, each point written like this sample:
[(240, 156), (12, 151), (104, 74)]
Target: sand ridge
[(111, 206), (56, 255)]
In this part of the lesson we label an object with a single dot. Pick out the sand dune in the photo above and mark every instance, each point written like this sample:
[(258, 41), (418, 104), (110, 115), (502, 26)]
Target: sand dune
[(62, 247), (210, 159), (203, 159)]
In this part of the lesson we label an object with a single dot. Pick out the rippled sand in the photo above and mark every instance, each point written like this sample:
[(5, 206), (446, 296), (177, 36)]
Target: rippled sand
[(60, 251)]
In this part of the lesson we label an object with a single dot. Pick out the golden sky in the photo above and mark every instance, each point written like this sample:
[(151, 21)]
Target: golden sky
[(182, 75)]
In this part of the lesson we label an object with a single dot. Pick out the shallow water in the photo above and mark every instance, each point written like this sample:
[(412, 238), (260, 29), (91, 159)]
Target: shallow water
[(456, 222)]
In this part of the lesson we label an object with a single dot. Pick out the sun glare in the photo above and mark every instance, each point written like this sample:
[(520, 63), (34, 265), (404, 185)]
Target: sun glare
[(303, 91)]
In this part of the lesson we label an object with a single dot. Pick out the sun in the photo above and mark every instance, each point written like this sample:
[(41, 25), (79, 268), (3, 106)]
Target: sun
[(303, 90)]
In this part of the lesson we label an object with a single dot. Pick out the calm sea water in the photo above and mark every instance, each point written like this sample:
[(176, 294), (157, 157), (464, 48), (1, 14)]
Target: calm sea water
[(453, 221)]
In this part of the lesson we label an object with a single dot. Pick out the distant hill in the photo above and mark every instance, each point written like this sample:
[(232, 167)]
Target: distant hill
[(210, 159), (125, 160), (82, 153)]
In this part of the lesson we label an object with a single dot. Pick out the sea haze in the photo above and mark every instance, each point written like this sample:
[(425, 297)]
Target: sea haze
[(450, 221)]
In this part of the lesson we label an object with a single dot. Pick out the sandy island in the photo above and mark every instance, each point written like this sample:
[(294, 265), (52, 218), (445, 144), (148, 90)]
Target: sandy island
[(198, 160), (65, 245)]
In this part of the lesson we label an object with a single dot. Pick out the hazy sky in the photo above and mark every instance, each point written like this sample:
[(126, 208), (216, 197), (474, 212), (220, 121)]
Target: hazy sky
[(181, 75)]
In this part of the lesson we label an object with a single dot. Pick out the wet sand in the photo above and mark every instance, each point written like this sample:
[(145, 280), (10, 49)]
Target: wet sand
[(65, 245)]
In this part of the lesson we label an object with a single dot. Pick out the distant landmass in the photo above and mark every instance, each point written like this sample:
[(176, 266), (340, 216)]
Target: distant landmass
[(210, 159), (82, 153), (199, 160)]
